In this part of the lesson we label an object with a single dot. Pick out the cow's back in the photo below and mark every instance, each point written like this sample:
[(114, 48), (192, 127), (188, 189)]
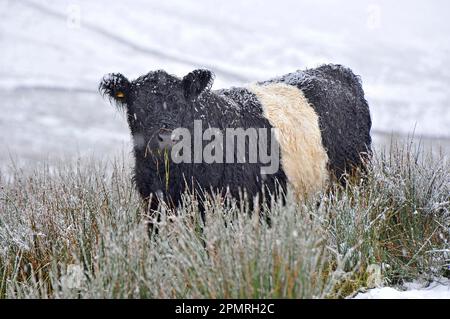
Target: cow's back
[(336, 95)]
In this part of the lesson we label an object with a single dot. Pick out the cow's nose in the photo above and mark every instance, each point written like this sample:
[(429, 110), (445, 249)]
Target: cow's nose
[(165, 140)]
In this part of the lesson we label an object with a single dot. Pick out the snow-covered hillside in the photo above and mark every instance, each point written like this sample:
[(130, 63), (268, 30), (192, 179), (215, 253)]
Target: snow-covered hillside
[(53, 54)]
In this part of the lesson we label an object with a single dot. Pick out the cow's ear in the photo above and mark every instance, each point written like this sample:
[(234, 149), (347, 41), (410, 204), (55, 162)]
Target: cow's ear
[(115, 86), (196, 82)]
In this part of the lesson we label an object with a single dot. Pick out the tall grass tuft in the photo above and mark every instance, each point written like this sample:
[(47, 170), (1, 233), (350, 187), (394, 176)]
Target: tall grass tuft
[(79, 231)]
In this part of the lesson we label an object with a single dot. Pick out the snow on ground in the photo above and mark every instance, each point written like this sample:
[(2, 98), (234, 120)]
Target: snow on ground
[(415, 290), (53, 54)]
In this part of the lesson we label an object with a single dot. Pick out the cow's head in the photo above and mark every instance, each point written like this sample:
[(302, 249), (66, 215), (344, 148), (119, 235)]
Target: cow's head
[(155, 103)]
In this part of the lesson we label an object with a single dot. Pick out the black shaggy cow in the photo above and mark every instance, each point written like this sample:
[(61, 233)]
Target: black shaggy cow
[(321, 116)]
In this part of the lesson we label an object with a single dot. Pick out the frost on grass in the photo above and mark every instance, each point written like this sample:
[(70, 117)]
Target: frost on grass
[(78, 230)]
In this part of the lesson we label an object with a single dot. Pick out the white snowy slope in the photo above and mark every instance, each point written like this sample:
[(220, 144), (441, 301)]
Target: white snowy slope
[(415, 290), (53, 54)]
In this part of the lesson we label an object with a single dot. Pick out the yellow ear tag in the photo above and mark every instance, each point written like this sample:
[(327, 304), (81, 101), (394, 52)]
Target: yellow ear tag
[(120, 94)]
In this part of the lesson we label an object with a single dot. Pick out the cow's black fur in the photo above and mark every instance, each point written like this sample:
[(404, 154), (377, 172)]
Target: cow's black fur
[(159, 102)]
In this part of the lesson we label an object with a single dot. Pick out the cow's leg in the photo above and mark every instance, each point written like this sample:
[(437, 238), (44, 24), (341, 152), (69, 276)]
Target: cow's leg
[(151, 205)]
